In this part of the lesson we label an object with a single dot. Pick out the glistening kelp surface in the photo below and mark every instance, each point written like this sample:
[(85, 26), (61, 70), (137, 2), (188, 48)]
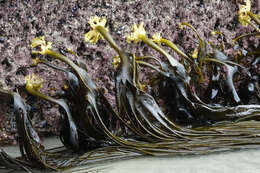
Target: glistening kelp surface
[(186, 122)]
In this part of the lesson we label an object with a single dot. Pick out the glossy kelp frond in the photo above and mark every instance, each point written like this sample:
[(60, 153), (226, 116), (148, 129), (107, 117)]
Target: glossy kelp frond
[(92, 92), (94, 98), (28, 139), (6, 161), (230, 73), (124, 73), (125, 76), (127, 95), (87, 86), (175, 92), (141, 36), (177, 105), (229, 79), (189, 109), (202, 51), (151, 113), (249, 89), (69, 136), (186, 108), (140, 126), (78, 105), (214, 87), (124, 96)]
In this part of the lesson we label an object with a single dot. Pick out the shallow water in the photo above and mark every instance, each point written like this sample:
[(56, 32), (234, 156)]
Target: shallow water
[(246, 161), (231, 162), (51, 142)]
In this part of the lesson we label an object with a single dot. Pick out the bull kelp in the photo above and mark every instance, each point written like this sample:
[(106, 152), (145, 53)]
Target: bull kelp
[(170, 114)]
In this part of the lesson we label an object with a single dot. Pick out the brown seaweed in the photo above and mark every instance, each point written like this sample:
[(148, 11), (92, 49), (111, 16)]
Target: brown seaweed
[(92, 130)]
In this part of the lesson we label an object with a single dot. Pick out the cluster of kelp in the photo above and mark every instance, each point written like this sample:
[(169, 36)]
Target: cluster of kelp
[(225, 118)]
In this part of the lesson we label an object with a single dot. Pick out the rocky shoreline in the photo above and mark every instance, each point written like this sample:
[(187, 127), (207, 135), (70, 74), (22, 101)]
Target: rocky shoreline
[(64, 22)]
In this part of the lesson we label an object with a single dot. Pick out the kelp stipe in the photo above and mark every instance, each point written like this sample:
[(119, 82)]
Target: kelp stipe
[(125, 89), (32, 151), (28, 139), (139, 34), (140, 125), (69, 136)]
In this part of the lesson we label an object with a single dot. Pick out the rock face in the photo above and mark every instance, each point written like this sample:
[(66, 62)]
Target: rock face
[(64, 23)]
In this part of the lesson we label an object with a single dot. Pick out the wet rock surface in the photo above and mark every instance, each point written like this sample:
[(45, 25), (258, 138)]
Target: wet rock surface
[(64, 23)]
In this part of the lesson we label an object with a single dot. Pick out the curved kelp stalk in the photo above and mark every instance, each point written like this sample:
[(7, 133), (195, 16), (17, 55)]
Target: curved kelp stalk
[(134, 105), (32, 152), (201, 52), (139, 34), (87, 125), (188, 107), (229, 79), (94, 97), (168, 117), (69, 134)]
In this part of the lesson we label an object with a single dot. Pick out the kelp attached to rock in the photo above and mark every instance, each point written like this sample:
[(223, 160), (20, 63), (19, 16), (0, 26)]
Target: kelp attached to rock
[(171, 115)]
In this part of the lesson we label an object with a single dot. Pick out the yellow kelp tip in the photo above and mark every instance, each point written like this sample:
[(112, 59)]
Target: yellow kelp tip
[(93, 35), (195, 53), (157, 38), (40, 41), (116, 61), (243, 17), (33, 82), (35, 61), (137, 31), (97, 21)]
